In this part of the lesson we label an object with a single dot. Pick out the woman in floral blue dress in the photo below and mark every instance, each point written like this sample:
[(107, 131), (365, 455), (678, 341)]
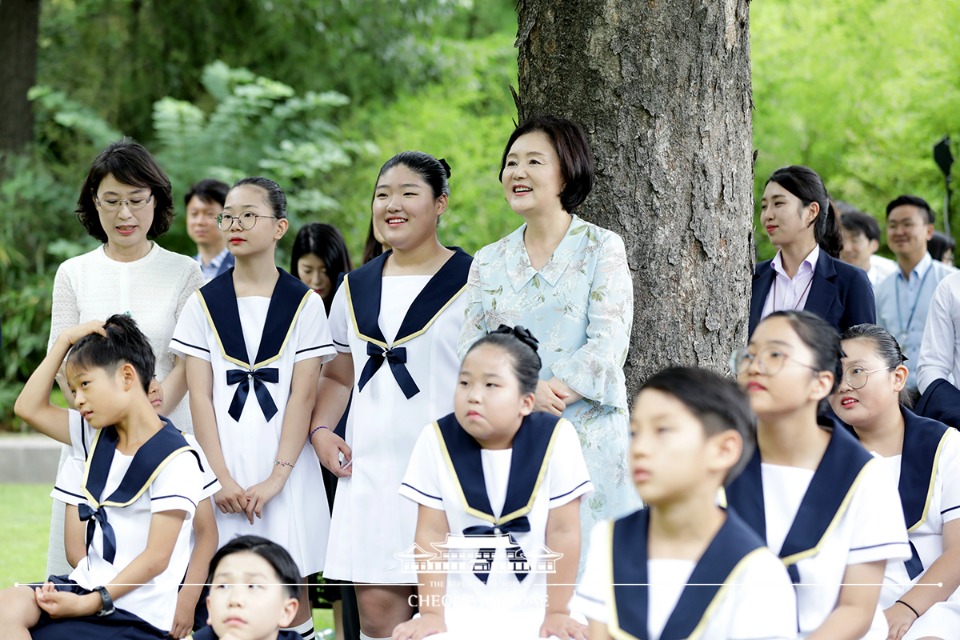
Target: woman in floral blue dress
[(566, 280)]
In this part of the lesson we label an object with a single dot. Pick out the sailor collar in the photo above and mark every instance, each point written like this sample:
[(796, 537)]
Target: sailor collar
[(219, 301), (725, 556), (363, 290)]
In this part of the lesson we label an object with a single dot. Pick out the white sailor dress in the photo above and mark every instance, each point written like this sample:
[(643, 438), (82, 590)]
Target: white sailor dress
[(402, 333), (250, 401)]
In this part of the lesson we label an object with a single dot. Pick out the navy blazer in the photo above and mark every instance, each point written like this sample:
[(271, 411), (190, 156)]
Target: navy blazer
[(840, 293), (227, 263), (941, 401)]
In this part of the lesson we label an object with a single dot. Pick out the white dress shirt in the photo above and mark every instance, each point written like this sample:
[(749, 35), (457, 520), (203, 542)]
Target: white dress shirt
[(940, 348), (787, 293)]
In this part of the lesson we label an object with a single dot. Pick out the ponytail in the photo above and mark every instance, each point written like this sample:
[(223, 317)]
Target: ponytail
[(826, 230)]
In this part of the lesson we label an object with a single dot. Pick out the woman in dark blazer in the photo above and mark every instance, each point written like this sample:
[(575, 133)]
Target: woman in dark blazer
[(805, 274)]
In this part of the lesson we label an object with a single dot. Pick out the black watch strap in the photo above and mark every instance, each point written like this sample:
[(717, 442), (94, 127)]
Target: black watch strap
[(108, 607)]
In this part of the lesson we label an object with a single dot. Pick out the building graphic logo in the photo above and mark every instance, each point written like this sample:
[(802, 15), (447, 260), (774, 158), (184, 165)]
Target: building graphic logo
[(478, 554)]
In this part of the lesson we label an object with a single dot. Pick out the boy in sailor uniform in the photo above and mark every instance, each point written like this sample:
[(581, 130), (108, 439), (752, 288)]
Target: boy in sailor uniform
[(141, 483), (919, 597), (191, 613), (682, 567), (498, 488)]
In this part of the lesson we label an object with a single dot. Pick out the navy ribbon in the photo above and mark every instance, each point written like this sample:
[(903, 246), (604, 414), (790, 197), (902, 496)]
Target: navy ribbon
[(517, 525), (914, 565), (91, 517), (259, 376), (397, 358)]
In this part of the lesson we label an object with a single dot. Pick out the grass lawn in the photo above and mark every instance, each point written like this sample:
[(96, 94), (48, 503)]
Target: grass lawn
[(25, 514)]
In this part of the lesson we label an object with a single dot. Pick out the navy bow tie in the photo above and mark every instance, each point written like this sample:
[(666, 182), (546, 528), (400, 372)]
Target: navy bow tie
[(517, 525), (91, 517), (242, 378), (397, 359)]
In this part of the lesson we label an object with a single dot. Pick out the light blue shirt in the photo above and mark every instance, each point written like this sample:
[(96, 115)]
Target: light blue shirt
[(209, 271), (902, 307)]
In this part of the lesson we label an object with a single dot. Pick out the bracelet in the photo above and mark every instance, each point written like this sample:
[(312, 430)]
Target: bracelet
[(909, 607), (314, 430), (282, 463)]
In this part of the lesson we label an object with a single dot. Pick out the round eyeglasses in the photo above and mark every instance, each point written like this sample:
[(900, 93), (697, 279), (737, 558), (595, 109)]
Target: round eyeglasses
[(856, 377), (114, 205), (247, 220), (769, 361)]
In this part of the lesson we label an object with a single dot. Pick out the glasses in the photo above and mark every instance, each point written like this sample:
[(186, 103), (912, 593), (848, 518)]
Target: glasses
[(856, 377), (113, 205), (769, 361), (247, 220)]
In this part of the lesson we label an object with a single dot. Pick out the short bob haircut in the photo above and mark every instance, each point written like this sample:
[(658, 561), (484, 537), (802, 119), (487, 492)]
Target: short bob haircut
[(130, 163), (576, 160)]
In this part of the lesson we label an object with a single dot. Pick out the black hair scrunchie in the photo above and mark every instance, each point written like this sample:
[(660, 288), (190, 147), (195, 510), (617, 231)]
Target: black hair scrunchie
[(520, 333)]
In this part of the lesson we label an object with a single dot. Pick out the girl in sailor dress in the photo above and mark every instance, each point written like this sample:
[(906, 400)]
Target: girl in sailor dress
[(499, 489), (395, 322), (821, 502), (254, 339), (919, 596)]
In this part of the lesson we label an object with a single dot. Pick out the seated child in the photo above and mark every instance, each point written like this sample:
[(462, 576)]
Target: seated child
[(682, 566), (499, 490), (142, 482), (191, 612), (919, 596), (254, 592)]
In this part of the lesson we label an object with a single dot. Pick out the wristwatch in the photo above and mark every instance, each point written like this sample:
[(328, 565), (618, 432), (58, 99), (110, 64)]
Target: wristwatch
[(108, 607)]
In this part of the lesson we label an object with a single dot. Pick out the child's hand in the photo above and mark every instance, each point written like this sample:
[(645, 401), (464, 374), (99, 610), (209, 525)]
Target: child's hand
[(427, 624), (63, 604), (183, 617), (899, 619), (231, 497), (73, 334), (260, 494), (562, 626), (329, 447)]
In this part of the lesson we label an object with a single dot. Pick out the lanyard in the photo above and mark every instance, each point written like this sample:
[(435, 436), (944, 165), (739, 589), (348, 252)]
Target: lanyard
[(797, 303), (905, 331)]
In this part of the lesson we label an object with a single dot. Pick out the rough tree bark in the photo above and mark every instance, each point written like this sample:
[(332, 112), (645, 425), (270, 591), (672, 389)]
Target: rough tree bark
[(662, 89), (19, 22)]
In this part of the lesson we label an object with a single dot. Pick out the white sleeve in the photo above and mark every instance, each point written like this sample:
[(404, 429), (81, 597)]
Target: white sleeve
[(178, 486), (596, 584), (339, 331), (567, 471), (938, 346), (879, 531), (191, 280), (190, 335), (210, 483), (68, 487), (421, 482), (313, 332), (948, 468), (65, 312), (764, 600)]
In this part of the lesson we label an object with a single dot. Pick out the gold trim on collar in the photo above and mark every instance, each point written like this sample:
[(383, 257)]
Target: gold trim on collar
[(283, 345), (524, 510), (931, 484)]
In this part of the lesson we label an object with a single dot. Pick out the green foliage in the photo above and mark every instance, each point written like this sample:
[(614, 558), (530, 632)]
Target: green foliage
[(858, 90)]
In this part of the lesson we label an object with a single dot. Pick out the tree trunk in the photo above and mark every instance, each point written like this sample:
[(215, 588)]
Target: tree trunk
[(19, 22), (662, 89)]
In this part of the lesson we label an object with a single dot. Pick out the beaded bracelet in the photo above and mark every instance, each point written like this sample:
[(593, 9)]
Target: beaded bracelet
[(314, 430), (282, 463)]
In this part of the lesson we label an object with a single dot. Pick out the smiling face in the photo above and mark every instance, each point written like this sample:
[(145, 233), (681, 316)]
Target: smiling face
[(908, 232), (126, 228), (857, 248), (789, 381), (532, 177), (266, 232), (861, 407), (488, 402), (784, 217), (246, 600), (405, 211)]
